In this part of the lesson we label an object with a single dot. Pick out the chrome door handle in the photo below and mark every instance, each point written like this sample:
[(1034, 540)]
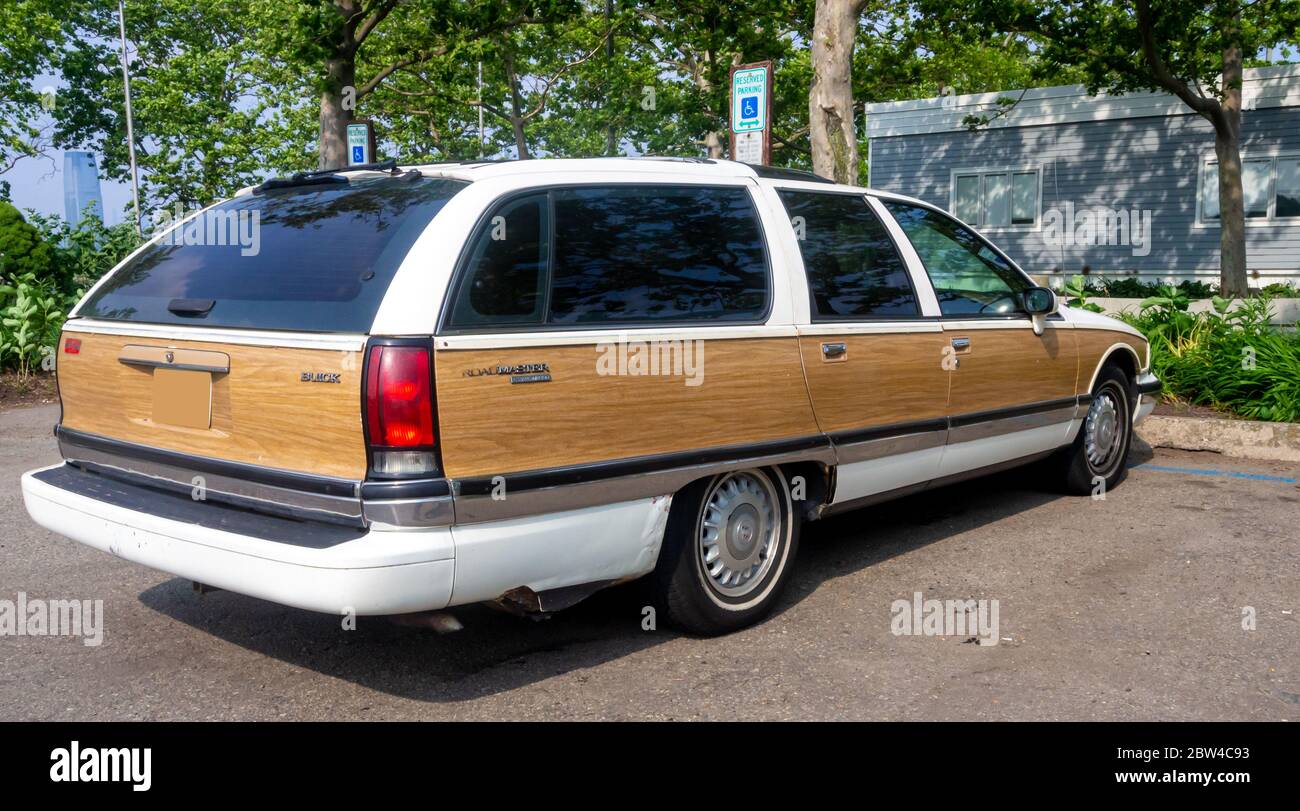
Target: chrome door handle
[(834, 350), (961, 344)]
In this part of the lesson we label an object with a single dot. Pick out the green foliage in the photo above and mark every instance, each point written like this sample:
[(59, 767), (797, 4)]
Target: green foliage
[(22, 248), (1232, 360), (1077, 290), (31, 314), (35, 294)]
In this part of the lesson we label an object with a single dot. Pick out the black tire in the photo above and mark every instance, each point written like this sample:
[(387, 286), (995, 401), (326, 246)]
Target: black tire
[(685, 592), (1083, 467)]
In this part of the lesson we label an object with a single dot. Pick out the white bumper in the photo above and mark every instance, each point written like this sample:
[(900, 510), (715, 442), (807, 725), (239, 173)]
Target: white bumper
[(379, 573)]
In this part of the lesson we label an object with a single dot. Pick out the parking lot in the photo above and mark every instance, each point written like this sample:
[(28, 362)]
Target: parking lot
[(1126, 608)]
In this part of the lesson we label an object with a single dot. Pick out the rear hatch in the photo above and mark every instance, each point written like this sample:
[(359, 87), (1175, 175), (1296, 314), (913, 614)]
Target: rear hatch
[(228, 355)]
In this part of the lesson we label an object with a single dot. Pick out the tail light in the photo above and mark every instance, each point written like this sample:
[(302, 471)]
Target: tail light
[(399, 410)]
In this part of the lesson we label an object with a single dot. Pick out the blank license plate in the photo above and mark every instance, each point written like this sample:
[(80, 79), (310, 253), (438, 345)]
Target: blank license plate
[(182, 397)]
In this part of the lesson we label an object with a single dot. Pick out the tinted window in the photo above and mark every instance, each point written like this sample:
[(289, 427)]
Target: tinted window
[(504, 279), (969, 277), (853, 268), (656, 253), (316, 258)]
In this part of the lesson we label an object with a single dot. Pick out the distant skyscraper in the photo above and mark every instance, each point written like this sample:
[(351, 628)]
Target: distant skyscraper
[(80, 186)]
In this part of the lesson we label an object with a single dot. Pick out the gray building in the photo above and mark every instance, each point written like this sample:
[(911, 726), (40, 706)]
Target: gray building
[(1120, 185), (81, 186)]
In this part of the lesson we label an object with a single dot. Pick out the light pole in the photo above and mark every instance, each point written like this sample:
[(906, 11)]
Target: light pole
[(130, 132)]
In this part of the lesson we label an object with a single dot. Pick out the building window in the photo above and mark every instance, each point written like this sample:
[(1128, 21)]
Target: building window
[(997, 198), (1270, 189)]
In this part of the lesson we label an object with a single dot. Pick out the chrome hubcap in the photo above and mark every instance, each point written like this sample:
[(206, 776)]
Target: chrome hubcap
[(1102, 429), (738, 533)]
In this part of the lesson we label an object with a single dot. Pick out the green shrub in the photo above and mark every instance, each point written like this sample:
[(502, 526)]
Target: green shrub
[(31, 314), (1230, 360)]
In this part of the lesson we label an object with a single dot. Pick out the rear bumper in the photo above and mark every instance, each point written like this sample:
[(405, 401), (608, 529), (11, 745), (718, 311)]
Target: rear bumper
[(336, 569), (374, 572)]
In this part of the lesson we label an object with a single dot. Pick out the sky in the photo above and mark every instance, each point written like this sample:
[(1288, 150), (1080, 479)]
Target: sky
[(37, 183)]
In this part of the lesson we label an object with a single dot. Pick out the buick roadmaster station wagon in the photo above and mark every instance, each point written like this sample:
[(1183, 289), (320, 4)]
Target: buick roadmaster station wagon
[(520, 382)]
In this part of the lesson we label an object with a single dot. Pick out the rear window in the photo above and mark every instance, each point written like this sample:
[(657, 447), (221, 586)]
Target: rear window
[(626, 254), (311, 258)]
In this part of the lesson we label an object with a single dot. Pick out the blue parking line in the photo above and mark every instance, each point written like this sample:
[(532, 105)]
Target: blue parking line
[(1231, 474)]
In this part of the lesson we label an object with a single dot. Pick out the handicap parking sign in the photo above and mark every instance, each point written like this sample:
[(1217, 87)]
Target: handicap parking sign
[(749, 91), (358, 154)]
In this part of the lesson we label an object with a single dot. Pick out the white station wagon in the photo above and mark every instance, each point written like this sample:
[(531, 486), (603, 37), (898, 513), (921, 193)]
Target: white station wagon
[(428, 386)]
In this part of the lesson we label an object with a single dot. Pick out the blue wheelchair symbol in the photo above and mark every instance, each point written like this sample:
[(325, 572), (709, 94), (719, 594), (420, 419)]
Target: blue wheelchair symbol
[(749, 107), (358, 154)]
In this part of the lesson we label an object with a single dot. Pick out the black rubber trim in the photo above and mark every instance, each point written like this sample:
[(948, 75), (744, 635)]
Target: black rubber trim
[(208, 514), (1151, 388), (304, 482), (887, 431), (395, 489), (1008, 413), (579, 474)]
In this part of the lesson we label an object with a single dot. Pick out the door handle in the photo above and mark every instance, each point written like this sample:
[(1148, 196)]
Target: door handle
[(835, 350), (961, 344)]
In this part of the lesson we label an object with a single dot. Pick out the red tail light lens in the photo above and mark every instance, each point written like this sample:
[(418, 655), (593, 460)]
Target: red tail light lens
[(72, 346), (399, 397)]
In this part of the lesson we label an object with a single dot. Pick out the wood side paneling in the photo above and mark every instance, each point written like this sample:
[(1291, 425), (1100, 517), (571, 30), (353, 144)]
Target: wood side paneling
[(750, 390), (882, 379), (1093, 343), (262, 413), (1012, 367)]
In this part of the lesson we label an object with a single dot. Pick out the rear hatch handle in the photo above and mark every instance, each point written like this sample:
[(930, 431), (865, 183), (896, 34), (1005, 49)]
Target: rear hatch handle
[(191, 306)]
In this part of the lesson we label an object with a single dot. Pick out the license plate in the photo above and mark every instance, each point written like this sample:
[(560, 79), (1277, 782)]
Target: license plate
[(182, 397)]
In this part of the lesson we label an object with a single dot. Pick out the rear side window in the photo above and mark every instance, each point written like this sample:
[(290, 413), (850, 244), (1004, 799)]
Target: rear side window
[(504, 281), (853, 268), (615, 255), (657, 253), (312, 258)]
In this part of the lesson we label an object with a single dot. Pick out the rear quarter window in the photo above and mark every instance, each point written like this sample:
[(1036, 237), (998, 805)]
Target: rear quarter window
[(311, 258)]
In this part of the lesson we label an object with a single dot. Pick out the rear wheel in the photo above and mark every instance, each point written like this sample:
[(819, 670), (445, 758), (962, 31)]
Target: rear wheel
[(1100, 451), (727, 551)]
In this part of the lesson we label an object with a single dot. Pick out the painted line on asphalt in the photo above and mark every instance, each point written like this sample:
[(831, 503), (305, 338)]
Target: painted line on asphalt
[(1230, 474)]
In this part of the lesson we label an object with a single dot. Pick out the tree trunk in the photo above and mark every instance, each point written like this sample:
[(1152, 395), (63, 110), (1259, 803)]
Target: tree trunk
[(517, 120), (830, 99), (341, 72), (714, 146), (1232, 208)]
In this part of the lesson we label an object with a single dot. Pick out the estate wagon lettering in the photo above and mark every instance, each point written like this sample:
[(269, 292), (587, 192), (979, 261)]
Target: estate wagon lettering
[(883, 349)]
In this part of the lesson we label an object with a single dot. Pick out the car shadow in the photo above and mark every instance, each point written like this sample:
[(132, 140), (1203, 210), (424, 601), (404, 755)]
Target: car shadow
[(497, 652)]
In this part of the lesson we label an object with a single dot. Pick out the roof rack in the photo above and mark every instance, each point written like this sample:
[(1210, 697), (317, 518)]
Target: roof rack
[(321, 177), (783, 173)]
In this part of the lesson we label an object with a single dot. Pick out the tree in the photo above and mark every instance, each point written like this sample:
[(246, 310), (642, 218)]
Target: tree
[(830, 96), (211, 114), (22, 250), (1191, 49), (31, 36)]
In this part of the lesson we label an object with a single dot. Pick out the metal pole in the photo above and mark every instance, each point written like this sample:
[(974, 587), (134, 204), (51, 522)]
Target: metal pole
[(611, 144), (130, 130), (480, 110)]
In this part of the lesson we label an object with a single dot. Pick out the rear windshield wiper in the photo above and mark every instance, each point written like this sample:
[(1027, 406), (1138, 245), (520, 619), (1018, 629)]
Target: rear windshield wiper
[(320, 177), (191, 306)]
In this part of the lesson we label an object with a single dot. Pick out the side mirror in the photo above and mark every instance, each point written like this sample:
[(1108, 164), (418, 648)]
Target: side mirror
[(1039, 302)]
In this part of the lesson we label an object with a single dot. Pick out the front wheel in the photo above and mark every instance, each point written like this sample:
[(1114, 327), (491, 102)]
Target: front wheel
[(1097, 461), (727, 551)]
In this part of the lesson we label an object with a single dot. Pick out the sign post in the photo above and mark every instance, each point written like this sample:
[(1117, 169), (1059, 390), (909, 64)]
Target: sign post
[(361, 143), (751, 113)]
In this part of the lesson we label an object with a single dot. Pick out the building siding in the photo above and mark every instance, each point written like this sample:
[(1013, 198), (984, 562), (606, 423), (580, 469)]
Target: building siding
[(1149, 164)]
